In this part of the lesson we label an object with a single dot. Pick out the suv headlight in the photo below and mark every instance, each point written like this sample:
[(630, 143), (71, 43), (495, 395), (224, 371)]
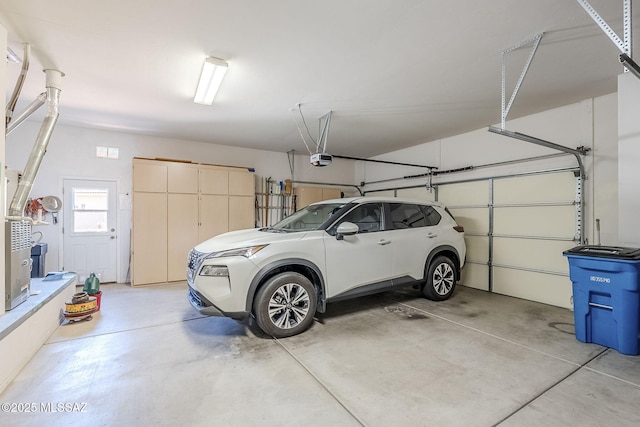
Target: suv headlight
[(215, 270), (245, 252)]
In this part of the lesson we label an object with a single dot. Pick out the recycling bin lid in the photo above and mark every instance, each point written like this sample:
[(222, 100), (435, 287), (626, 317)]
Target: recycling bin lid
[(617, 252)]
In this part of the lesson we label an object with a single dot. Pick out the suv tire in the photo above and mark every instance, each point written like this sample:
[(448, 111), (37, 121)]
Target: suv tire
[(285, 305), (441, 279)]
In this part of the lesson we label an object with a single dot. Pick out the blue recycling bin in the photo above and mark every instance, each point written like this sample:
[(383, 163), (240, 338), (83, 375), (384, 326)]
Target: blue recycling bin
[(38, 257), (606, 296)]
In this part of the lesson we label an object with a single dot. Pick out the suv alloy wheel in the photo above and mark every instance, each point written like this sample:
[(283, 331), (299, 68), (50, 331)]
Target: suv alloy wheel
[(285, 305), (441, 279)]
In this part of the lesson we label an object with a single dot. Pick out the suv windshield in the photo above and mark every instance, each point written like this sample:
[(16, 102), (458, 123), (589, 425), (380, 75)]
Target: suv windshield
[(308, 218)]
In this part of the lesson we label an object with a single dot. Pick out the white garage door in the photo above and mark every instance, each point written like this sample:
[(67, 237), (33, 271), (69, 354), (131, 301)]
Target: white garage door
[(535, 220), (469, 203), (517, 229)]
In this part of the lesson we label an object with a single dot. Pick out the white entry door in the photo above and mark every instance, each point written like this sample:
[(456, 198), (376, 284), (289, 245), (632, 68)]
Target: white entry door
[(90, 233)]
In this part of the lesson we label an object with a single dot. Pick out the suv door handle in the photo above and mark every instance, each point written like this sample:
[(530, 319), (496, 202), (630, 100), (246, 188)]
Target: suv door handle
[(431, 235), (384, 242)]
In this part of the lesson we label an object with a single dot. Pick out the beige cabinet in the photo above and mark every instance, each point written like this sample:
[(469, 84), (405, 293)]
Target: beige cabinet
[(149, 243), (241, 212), (177, 205), (213, 181), (214, 215), (227, 201), (149, 177), (305, 195), (182, 232), (241, 184), (182, 178)]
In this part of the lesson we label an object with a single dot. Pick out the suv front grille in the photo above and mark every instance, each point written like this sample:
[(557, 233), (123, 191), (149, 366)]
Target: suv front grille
[(194, 260)]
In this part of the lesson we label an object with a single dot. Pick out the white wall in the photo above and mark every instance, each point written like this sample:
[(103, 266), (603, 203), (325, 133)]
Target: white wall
[(3, 89), (604, 200), (591, 123), (629, 150), (72, 154), (570, 126)]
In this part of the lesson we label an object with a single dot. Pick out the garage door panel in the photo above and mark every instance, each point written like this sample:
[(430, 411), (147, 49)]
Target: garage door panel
[(545, 288), (475, 276), (548, 221), (464, 194), (543, 255), (554, 187), (474, 220), (477, 248), (420, 193)]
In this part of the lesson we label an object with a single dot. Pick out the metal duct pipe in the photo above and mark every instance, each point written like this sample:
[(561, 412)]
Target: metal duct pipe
[(19, 201), (18, 88), (24, 115)]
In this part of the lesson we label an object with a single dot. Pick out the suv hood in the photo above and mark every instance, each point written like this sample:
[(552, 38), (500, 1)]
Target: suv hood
[(246, 238)]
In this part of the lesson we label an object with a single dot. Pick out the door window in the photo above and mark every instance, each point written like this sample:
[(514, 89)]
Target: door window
[(90, 209), (368, 217)]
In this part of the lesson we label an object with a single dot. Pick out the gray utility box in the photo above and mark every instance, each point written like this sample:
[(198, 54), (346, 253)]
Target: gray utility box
[(17, 263)]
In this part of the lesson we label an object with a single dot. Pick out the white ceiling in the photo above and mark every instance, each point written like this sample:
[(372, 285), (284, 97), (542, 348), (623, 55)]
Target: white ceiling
[(395, 73)]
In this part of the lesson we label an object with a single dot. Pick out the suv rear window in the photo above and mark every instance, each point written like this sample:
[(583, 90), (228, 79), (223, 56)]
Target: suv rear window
[(405, 215)]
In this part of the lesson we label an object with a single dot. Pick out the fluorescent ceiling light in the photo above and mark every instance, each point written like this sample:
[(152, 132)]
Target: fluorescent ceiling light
[(213, 72)]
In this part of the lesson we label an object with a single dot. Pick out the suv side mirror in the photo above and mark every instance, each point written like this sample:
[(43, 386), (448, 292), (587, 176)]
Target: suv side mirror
[(346, 229)]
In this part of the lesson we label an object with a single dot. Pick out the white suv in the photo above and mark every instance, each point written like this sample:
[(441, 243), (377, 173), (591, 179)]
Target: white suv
[(328, 251)]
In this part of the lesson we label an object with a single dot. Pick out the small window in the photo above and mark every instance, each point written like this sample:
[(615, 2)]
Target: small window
[(404, 215), (90, 208)]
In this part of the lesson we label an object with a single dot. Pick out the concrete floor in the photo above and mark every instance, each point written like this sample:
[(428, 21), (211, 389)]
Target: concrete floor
[(479, 359)]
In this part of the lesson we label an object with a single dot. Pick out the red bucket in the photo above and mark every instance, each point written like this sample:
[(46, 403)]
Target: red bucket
[(98, 298)]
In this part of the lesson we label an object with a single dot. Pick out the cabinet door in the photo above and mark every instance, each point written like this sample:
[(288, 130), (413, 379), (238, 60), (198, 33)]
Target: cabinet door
[(241, 212), (214, 181), (307, 195), (182, 230), (214, 216), (149, 243), (241, 183), (182, 178), (149, 177), (330, 193)]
